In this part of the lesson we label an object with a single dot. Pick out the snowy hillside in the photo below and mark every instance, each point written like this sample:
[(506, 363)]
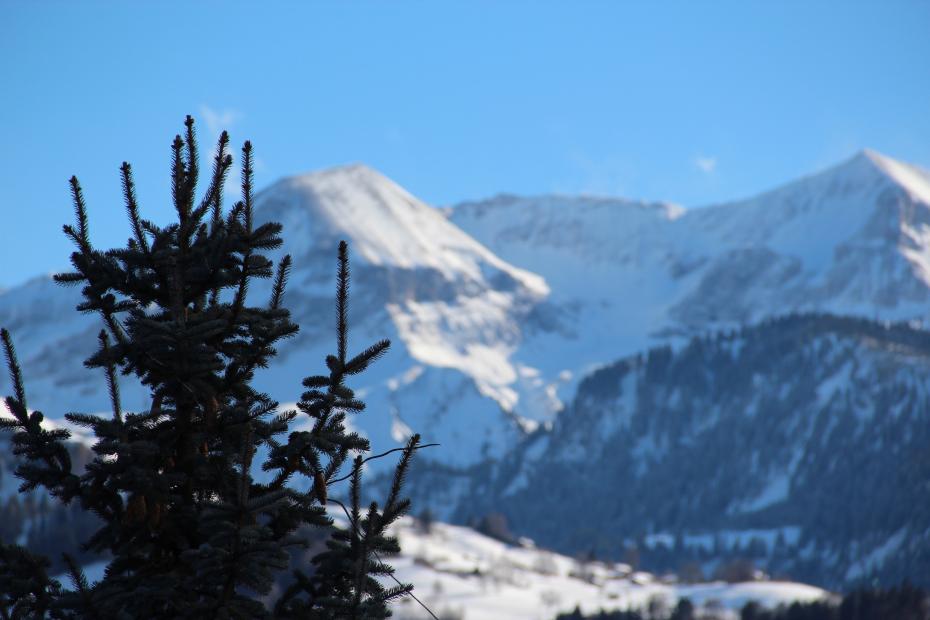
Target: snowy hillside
[(456, 569), (798, 444), (459, 573), (451, 307), (854, 239), (850, 239)]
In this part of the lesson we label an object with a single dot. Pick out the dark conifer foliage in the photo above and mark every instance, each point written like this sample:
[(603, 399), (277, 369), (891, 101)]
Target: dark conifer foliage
[(189, 530), (904, 602)]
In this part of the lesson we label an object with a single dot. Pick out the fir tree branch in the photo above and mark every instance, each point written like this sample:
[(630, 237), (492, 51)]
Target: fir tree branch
[(342, 301), (12, 364), (82, 587), (244, 210), (221, 165), (178, 174), (81, 236), (280, 282), (132, 206), (193, 170), (112, 384), (247, 177)]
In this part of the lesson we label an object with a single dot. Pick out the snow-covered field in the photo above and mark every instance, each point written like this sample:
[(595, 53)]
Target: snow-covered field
[(459, 573)]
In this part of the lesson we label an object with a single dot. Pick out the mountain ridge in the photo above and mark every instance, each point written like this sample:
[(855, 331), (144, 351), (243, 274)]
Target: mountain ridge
[(797, 444), (493, 331), (500, 315)]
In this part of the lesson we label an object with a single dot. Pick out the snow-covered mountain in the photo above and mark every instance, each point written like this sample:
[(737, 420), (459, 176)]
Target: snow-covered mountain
[(799, 444), (497, 309), (452, 308), (854, 239)]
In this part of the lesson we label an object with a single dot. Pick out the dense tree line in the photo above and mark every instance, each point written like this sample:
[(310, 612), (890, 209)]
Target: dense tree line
[(802, 432), (904, 602)]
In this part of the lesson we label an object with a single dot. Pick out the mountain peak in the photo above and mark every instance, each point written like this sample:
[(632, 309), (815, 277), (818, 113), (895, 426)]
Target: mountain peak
[(909, 177), (356, 171), (867, 161), (353, 202), (871, 155), (384, 223), (354, 176)]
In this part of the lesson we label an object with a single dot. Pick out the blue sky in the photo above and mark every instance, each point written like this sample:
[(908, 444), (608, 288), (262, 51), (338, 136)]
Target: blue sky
[(690, 102)]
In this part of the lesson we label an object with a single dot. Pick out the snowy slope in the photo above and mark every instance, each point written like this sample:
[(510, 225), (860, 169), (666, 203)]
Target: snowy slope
[(799, 444), (457, 572), (851, 240), (451, 307), (854, 239)]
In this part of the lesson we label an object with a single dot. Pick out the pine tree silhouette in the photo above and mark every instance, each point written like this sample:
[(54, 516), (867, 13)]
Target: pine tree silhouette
[(190, 532)]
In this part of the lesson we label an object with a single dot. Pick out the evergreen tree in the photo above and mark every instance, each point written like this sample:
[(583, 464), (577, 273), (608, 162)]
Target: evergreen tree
[(191, 532)]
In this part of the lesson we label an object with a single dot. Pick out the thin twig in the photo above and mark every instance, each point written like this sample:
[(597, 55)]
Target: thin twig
[(344, 509), (409, 593), (378, 456), (377, 557)]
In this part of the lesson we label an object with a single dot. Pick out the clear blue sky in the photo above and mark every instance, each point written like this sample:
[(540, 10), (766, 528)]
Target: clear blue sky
[(691, 102)]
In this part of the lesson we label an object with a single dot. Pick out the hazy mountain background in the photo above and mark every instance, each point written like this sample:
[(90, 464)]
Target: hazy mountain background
[(615, 376)]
